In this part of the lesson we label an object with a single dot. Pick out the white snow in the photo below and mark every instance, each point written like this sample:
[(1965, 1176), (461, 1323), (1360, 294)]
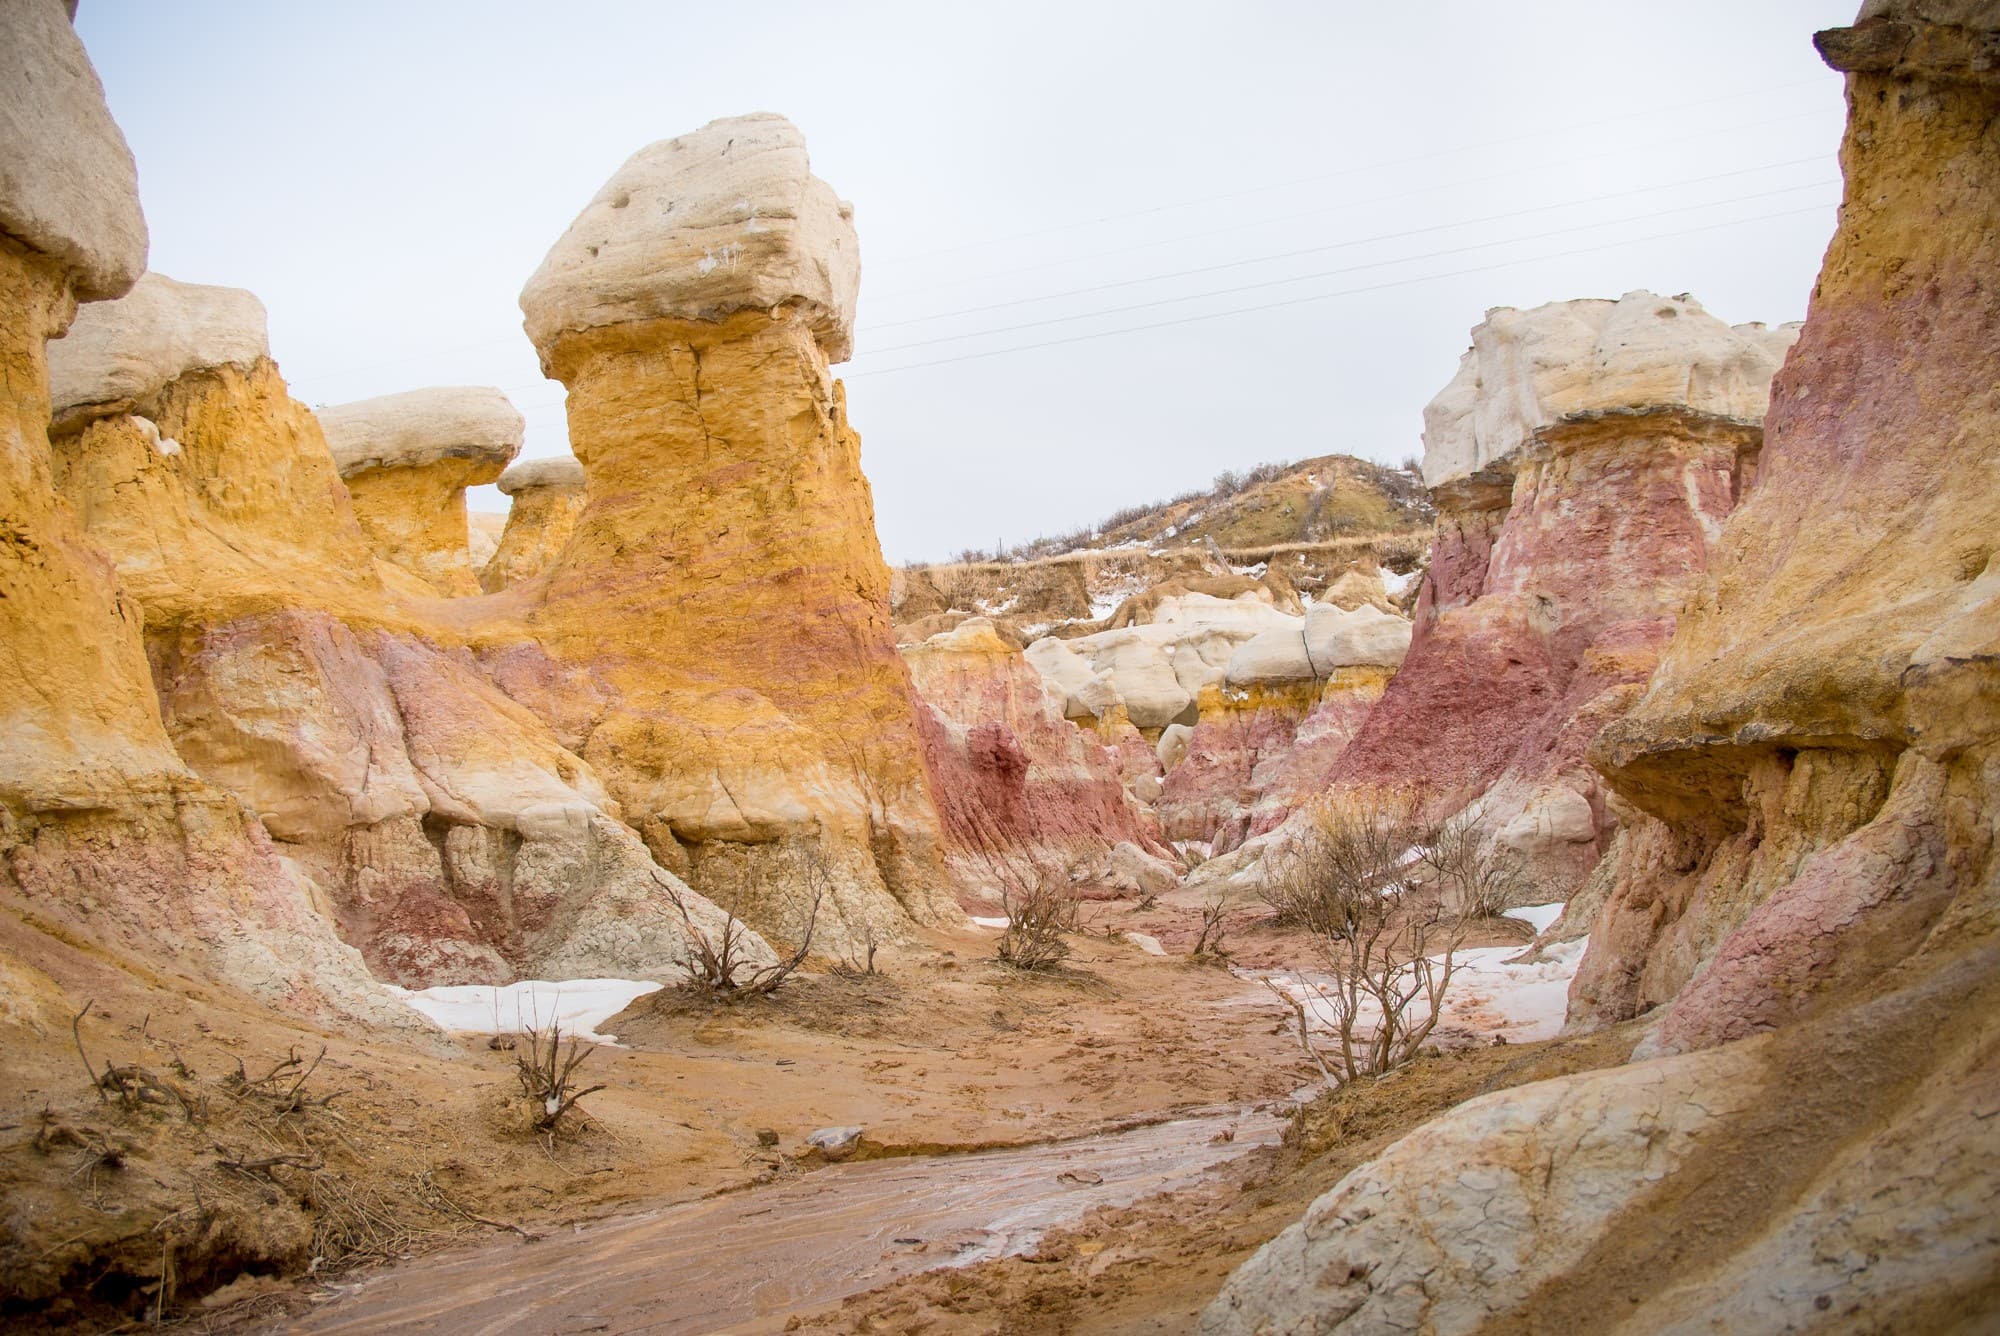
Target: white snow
[(1538, 917), (1393, 583), (1490, 993), (578, 1005), (997, 924)]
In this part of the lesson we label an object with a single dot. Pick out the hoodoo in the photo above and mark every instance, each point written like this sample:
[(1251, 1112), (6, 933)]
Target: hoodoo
[(724, 582), (448, 833), (407, 460), (1582, 461), (102, 827), (1812, 871), (547, 496)]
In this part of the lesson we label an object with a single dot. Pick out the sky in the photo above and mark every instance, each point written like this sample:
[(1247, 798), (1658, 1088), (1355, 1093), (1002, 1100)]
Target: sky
[(1108, 250)]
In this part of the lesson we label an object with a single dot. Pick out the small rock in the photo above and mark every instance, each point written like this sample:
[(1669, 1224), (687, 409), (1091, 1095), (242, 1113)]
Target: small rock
[(835, 1143), (766, 1137), (1081, 1176)]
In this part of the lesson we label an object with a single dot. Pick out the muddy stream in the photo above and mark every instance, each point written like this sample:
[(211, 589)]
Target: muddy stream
[(746, 1260)]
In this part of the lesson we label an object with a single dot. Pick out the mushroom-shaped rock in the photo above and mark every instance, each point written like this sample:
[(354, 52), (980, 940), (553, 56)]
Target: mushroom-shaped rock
[(118, 354), (68, 187), (726, 219), (118, 847), (548, 497), (408, 459), (725, 571), (1527, 370)]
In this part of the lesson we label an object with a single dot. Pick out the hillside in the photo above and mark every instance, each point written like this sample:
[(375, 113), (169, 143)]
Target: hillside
[(1310, 501), (1290, 529)]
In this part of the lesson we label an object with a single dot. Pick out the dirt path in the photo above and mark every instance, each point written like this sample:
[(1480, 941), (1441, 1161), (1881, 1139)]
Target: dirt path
[(745, 1261)]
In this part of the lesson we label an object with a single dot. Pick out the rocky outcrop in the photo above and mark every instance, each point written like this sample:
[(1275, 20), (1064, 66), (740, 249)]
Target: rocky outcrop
[(723, 588), (1287, 695), (1583, 461), (441, 826), (407, 460), (1015, 781), (547, 496), (1805, 769), (1807, 880), (104, 833), (1237, 678)]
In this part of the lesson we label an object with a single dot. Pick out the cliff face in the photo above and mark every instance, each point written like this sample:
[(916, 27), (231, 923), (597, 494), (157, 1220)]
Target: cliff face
[(1015, 780), (103, 831), (723, 585), (438, 824), (1582, 462), (1808, 760), (1808, 879)]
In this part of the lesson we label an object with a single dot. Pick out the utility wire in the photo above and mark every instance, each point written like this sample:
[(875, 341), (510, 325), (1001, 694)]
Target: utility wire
[(1343, 245), (1333, 273), (1325, 296), (1342, 172), (1623, 151)]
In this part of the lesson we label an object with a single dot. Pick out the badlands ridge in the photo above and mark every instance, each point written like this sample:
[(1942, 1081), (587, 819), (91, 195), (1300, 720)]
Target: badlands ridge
[(1697, 624)]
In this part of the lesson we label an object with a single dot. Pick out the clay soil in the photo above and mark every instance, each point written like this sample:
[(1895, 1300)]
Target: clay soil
[(1152, 1267), (229, 1180)]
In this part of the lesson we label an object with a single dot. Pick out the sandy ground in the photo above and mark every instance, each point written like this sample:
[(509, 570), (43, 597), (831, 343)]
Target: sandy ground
[(222, 1180)]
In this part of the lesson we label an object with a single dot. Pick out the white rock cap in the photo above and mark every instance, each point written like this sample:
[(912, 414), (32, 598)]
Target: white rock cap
[(1529, 369), (122, 352), (728, 218), (68, 186), (552, 471), (423, 427)]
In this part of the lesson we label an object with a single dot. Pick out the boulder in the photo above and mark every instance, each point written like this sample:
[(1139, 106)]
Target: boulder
[(118, 354), (726, 219), (1529, 370), (69, 190), (407, 460)]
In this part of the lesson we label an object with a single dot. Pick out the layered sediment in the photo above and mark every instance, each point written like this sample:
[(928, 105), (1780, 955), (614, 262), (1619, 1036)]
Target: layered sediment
[(1806, 883), (723, 588), (436, 823), (1018, 785), (104, 832), (1582, 461)]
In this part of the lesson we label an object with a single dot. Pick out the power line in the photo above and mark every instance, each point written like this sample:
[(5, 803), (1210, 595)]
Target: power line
[(1332, 273), (1325, 296), (1345, 171), (1343, 245), (1622, 151)]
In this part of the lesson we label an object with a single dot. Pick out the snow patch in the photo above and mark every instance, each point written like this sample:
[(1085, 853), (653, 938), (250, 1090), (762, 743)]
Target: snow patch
[(997, 924), (1396, 585), (1538, 917), (578, 1005)]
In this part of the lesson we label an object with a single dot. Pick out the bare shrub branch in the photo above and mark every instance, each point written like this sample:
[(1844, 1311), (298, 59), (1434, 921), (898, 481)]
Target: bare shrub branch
[(1352, 877), (1042, 908)]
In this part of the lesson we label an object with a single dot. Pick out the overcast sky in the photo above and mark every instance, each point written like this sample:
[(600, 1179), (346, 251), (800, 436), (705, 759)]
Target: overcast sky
[(1068, 212)]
